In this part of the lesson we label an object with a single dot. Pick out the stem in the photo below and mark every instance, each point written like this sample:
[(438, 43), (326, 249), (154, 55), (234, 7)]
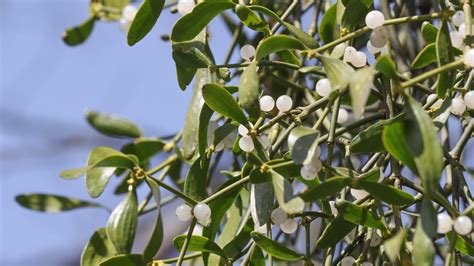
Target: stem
[(174, 191), (186, 242), (164, 164), (457, 150), (226, 190), (173, 260), (285, 15), (429, 74)]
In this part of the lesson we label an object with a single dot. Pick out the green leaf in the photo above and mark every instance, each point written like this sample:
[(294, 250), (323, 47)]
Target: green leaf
[(277, 43), (327, 188), (429, 218), (276, 249), (328, 28), (370, 139), (422, 139), (144, 20), (144, 148), (423, 248), (256, 257), (112, 125), (389, 194), (284, 194), (338, 72), (79, 34), (199, 243), (261, 202), (101, 165), (104, 13), (122, 223), (360, 87), (445, 55), (394, 244), (73, 173), (463, 245), (52, 203), (396, 145), (250, 19), (355, 13), (304, 37), (426, 57), (221, 101), (223, 131), (190, 25), (97, 249), (300, 141), (196, 180), (124, 260), (429, 32), (336, 230), (196, 109), (156, 238), (249, 90), (239, 242), (358, 215), (387, 67)]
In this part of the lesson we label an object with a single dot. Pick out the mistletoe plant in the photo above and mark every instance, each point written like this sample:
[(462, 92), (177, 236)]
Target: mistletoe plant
[(336, 135)]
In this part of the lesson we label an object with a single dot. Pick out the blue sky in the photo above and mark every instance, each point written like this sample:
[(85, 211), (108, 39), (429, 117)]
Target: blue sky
[(45, 88)]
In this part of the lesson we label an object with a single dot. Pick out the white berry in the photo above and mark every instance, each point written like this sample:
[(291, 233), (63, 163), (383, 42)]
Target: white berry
[(266, 103), (332, 204), (310, 171), (349, 54), (469, 99), (463, 30), (129, 12), (278, 216), (379, 37), (374, 19), (184, 213), (342, 116), (264, 140), (124, 25), (456, 39), (247, 52), (360, 60), (202, 212), (284, 103), (372, 49), (431, 98), (458, 18), (243, 130), (323, 87), (185, 6), (469, 58), (445, 223), (463, 225), (367, 263), (359, 193), (246, 144), (348, 261), (289, 226), (458, 107)]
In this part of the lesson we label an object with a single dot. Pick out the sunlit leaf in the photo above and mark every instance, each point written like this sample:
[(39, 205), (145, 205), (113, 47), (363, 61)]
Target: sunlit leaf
[(144, 20), (199, 243), (221, 101), (277, 43), (52, 203), (97, 249), (274, 248), (112, 125)]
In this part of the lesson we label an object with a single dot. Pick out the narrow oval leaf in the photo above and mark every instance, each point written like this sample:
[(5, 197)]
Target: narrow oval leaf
[(360, 87), (328, 188), (122, 223), (52, 203), (445, 55), (334, 232), (249, 90), (327, 28), (386, 66), (429, 32), (221, 101), (144, 20), (396, 145), (355, 12), (370, 139), (79, 34), (73, 173), (199, 243), (124, 260), (337, 71), (196, 180), (461, 244), (274, 248), (389, 194), (112, 125), (394, 245), (144, 148), (97, 249), (250, 19), (261, 202), (423, 248), (190, 25), (284, 194), (156, 238), (300, 142), (426, 57), (358, 215), (277, 43)]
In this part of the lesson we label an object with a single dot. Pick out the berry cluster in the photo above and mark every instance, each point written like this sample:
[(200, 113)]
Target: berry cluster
[(200, 211)]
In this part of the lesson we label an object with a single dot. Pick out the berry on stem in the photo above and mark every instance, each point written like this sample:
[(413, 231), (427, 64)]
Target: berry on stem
[(458, 107), (278, 216), (469, 58), (266, 103), (184, 213), (374, 19), (289, 226), (185, 6), (469, 99), (284, 103), (202, 212), (445, 223), (463, 225), (323, 87), (247, 52), (246, 144)]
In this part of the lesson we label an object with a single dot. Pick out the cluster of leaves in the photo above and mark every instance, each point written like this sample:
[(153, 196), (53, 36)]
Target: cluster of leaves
[(393, 134)]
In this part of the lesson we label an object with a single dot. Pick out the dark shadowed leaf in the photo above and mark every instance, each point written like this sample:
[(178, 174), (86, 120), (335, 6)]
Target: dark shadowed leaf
[(370, 139), (358, 215), (389, 194), (196, 180), (327, 188), (355, 13), (386, 66), (190, 25), (429, 32), (274, 248), (112, 125), (79, 34), (122, 223), (144, 20), (336, 230), (97, 249), (199, 243), (221, 101), (52, 203), (327, 28), (445, 55), (124, 260), (261, 202)]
